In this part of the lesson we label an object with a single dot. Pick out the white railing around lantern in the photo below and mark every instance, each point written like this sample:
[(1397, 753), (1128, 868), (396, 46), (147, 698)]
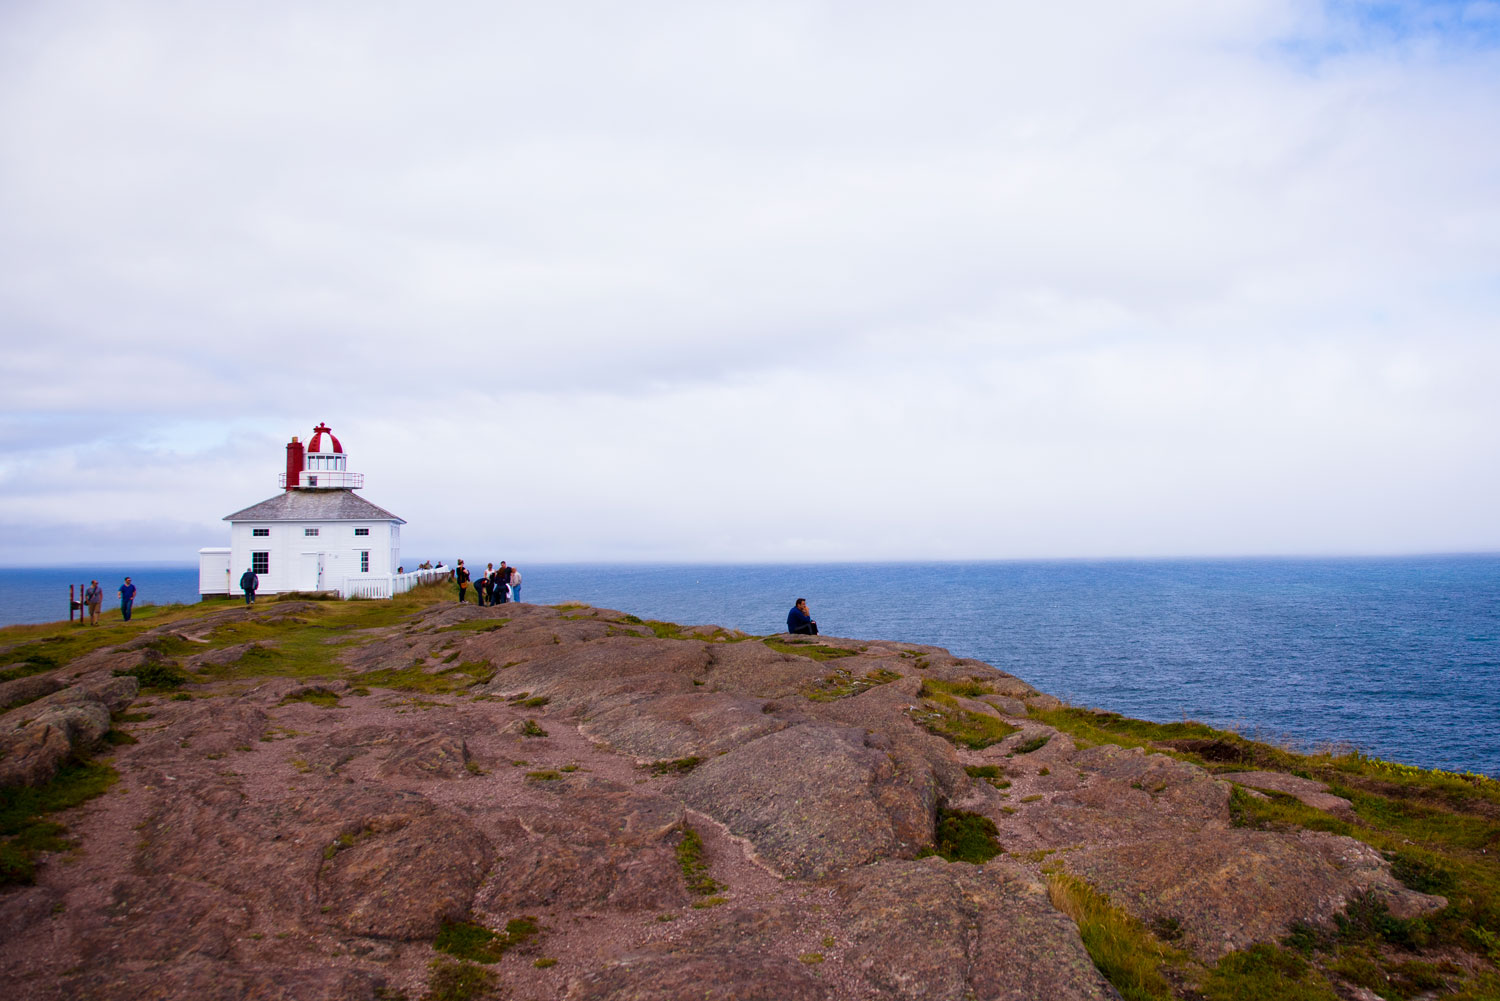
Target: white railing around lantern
[(325, 479), (389, 585)]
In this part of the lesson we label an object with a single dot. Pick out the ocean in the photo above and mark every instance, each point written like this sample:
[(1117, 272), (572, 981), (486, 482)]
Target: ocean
[(1399, 657)]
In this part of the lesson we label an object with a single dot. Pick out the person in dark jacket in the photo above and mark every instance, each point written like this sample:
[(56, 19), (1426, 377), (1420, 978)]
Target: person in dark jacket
[(249, 583), (798, 621), (461, 574), (127, 598)]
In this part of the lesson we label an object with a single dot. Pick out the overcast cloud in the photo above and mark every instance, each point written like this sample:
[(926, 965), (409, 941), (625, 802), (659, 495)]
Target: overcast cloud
[(756, 281)]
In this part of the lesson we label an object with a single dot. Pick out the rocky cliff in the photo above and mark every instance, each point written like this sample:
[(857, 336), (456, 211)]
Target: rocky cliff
[(569, 803)]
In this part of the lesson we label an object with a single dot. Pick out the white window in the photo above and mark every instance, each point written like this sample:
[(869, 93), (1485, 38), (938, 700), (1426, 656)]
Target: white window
[(260, 562), (260, 533), (361, 531), (364, 561), (309, 531)]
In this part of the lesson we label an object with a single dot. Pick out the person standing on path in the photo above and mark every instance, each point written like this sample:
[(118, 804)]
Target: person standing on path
[(461, 573), (127, 598), (93, 598), (515, 584), (502, 581), (249, 583)]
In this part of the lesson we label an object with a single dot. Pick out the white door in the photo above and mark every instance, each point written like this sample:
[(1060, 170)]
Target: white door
[(310, 572)]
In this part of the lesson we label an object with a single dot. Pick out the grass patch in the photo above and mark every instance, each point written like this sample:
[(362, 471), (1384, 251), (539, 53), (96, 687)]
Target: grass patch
[(157, 676), (1034, 744), (30, 660), (812, 651), (41, 647), (676, 766), (450, 981), (171, 645), (941, 714), (961, 836), (1266, 973), (545, 775), (531, 728), (993, 774), (1128, 955), (536, 702), (476, 943), (308, 642), (1187, 740), (667, 630), (474, 626), (842, 684), (1422, 872), (415, 679), (23, 829), (317, 696), (967, 688), (694, 868), (338, 844), (1278, 810), (1366, 919)]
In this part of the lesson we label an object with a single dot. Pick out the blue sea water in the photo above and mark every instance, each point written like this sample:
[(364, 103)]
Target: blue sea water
[(1399, 657)]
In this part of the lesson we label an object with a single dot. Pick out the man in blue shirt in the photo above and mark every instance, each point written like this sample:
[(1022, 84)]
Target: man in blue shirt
[(798, 621), (127, 598)]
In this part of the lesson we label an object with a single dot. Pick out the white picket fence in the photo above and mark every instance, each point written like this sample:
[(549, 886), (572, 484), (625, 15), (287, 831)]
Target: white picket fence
[(388, 586)]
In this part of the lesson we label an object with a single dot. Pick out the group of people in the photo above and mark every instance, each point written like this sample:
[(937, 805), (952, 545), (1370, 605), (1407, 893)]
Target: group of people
[(93, 597), (495, 586)]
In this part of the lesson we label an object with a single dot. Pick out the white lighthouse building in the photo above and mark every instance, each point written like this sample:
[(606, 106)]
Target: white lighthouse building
[(316, 535)]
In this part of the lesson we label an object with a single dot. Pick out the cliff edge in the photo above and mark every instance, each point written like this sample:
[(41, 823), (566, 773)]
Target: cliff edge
[(434, 800)]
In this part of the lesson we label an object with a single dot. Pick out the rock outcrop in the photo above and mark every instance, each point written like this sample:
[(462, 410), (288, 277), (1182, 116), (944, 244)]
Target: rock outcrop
[(691, 815), (39, 736)]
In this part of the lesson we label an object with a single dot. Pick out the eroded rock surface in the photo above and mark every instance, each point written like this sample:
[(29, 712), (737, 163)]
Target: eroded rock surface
[(40, 736), (276, 839), (944, 930)]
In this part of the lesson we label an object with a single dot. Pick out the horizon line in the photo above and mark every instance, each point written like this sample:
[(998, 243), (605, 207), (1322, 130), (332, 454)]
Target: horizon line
[(890, 561)]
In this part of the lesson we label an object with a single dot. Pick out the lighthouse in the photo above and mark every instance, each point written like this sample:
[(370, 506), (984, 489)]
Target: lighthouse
[(317, 534)]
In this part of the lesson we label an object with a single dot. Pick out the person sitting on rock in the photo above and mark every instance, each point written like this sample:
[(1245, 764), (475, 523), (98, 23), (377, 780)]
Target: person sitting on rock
[(798, 621)]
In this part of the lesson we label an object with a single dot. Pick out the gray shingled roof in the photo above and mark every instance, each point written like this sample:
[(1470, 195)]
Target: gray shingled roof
[(314, 505)]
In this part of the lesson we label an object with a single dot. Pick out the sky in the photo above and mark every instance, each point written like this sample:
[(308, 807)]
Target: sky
[(756, 281)]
